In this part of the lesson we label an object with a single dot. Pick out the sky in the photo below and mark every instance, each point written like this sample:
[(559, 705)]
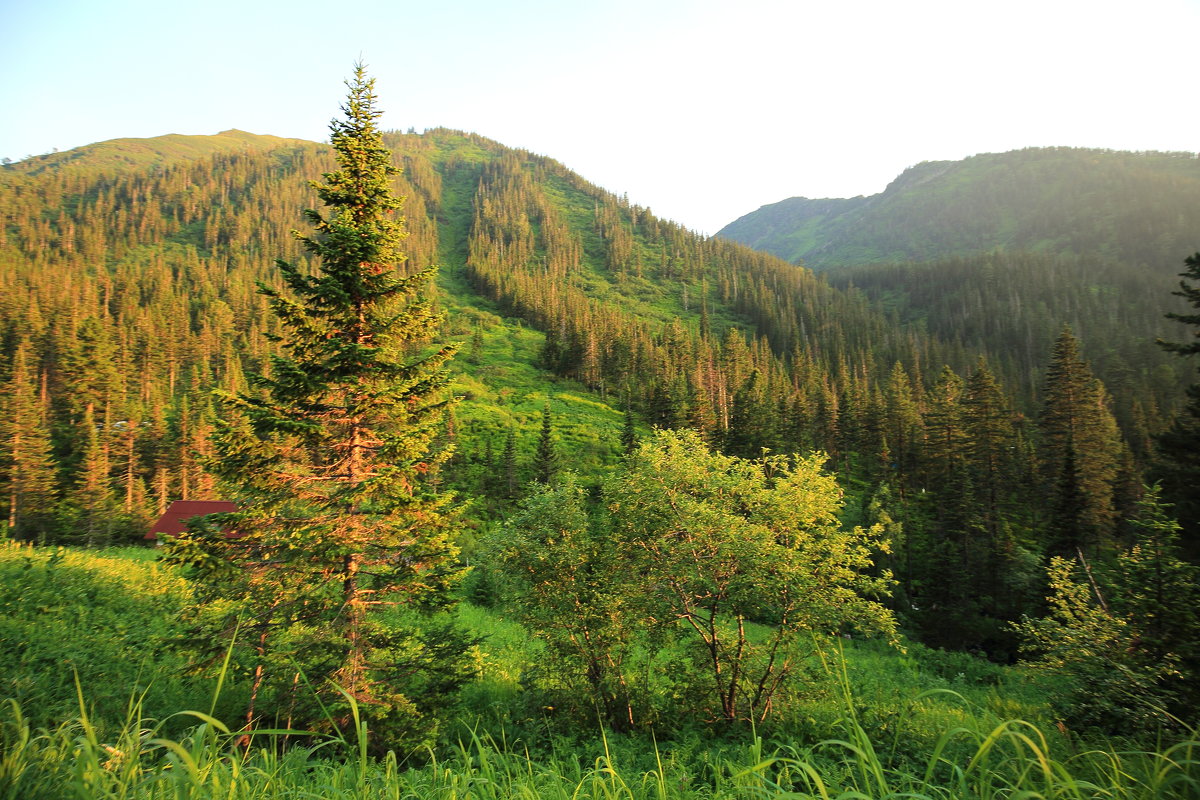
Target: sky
[(702, 111)]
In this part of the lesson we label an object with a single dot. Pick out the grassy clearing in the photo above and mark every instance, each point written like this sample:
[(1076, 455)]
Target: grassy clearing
[(102, 618), (875, 723), (1011, 760)]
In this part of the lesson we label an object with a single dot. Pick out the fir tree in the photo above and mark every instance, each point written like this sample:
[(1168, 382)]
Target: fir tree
[(991, 444), (945, 444), (30, 487), (1079, 452), (509, 469), (629, 437), (329, 462), (902, 424), (1180, 445), (545, 457), (91, 497)]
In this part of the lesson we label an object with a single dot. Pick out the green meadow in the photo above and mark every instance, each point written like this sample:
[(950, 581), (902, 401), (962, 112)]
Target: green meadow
[(100, 705)]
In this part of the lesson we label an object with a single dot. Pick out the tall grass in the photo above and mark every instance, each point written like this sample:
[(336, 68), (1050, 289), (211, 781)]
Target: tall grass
[(870, 733), (1012, 760)]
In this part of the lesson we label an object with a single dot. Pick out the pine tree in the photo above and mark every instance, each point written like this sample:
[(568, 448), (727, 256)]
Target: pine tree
[(991, 444), (329, 462), (945, 443), (91, 498), (508, 466), (30, 487), (902, 424), (1079, 452), (545, 457), (629, 437), (1179, 446), (749, 423)]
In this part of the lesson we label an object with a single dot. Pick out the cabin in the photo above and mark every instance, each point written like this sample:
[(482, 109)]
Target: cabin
[(174, 520)]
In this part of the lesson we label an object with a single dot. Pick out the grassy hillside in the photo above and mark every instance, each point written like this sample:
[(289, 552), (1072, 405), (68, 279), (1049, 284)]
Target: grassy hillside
[(876, 721)]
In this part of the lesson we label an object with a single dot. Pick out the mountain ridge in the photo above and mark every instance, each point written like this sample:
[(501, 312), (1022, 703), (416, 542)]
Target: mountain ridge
[(1046, 200), (127, 152)]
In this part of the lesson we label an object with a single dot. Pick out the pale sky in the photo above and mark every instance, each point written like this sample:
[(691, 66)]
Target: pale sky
[(701, 110)]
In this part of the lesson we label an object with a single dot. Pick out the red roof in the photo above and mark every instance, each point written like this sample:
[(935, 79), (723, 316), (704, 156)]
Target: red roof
[(173, 519)]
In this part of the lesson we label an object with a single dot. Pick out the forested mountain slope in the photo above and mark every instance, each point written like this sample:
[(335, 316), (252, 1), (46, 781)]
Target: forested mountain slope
[(128, 291), (1136, 208), (998, 252)]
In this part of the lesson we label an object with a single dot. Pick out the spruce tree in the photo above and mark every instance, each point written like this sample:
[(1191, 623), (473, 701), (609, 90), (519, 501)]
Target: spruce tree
[(545, 457), (902, 425), (91, 498), (991, 444), (629, 437), (1179, 446), (1079, 451), (508, 466), (329, 461), (31, 493), (945, 444)]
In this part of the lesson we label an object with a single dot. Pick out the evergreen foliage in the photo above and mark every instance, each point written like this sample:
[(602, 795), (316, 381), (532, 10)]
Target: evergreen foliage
[(328, 458), (1179, 446), (134, 288), (545, 457), (1126, 638), (27, 462), (1080, 447)]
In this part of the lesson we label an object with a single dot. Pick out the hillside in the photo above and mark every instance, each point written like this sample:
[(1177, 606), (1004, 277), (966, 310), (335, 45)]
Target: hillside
[(133, 285), (123, 154), (128, 294), (1137, 208), (998, 252)]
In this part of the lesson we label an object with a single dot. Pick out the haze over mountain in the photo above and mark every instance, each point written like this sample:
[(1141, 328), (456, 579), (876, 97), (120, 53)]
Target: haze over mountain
[(998, 252), (1139, 208)]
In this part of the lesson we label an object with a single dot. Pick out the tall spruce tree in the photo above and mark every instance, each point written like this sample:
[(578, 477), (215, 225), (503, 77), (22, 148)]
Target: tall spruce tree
[(629, 437), (945, 444), (1179, 446), (991, 445), (91, 499), (328, 461), (545, 457), (27, 462), (1079, 450)]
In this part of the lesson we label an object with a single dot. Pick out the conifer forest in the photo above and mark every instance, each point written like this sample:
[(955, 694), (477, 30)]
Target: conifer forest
[(540, 495)]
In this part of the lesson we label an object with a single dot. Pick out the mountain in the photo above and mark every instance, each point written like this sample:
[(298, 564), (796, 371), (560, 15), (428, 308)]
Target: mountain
[(122, 154), (1138, 208), (998, 252), (129, 273), (129, 291)]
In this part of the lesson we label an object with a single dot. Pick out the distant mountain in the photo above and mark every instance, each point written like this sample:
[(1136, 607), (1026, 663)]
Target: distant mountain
[(1140, 208)]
